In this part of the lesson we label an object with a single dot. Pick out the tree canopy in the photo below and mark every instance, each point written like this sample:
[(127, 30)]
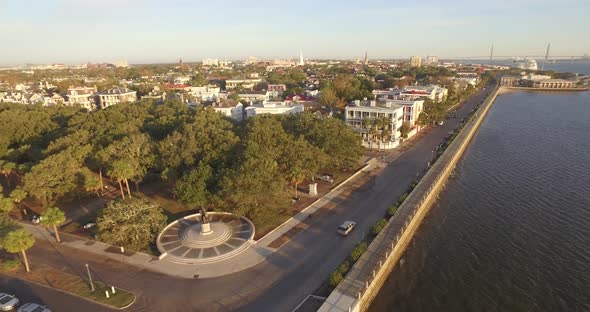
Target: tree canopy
[(132, 223), (205, 158)]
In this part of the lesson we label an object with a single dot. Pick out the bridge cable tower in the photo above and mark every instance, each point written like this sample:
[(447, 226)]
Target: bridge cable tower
[(546, 56), (491, 54)]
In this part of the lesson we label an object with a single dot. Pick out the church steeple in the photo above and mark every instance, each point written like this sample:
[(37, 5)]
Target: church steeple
[(301, 62)]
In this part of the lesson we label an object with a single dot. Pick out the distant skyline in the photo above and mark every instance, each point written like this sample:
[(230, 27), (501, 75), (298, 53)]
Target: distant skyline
[(149, 31)]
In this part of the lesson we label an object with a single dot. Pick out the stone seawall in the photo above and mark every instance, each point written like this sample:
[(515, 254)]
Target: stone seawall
[(367, 276)]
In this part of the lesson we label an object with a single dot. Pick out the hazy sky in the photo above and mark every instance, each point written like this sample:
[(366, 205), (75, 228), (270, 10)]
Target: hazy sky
[(77, 31)]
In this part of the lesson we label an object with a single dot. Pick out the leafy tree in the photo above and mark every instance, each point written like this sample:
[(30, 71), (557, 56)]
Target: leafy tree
[(6, 204), (132, 223), (192, 189), (136, 152), (18, 195), (55, 176), (19, 241), (297, 175), (90, 182), (210, 138), (53, 217), (328, 98), (7, 225), (405, 129), (256, 188)]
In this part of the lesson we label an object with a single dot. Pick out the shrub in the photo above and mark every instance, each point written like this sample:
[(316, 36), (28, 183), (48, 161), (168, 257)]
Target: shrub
[(335, 278), (344, 267), (401, 199), (11, 264), (392, 210), (378, 227), (358, 251)]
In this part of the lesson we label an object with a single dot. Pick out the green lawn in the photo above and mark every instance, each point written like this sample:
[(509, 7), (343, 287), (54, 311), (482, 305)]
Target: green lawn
[(120, 299)]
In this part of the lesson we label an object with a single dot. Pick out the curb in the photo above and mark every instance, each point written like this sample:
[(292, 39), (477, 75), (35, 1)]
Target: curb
[(76, 295)]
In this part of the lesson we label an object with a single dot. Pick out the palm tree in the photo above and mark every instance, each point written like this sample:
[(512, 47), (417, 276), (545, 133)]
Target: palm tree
[(53, 217), (6, 169), (121, 171), (367, 125), (19, 241), (296, 175)]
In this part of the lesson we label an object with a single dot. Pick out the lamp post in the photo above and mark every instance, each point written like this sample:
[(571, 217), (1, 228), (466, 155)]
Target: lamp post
[(90, 278)]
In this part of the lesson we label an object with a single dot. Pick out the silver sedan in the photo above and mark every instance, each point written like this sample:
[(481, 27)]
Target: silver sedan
[(7, 302)]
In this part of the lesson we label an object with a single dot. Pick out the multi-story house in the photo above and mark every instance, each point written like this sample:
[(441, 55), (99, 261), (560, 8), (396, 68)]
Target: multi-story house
[(357, 114), (83, 96), (254, 96), (274, 108), (114, 96), (246, 84), (205, 93), (411, 93), (230, 108)]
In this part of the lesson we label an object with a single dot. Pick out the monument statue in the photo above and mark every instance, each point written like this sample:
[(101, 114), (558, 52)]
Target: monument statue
[(204, 218)]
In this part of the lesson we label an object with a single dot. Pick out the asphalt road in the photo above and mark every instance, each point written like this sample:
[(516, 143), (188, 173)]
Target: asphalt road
[(281, 282), (30, 292)]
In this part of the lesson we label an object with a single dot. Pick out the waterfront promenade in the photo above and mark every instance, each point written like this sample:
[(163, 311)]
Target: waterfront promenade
[(363, 282)]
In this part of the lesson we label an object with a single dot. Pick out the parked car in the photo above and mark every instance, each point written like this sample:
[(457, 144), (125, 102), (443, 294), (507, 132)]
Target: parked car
[(346, 227), (7, 302), (33, 307), (326, 178), (440, 123)]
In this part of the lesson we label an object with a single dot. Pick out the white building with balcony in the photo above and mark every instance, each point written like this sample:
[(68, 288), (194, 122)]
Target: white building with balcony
[(411, 109), (205, 93), (356, 114), (115, 95), (247, 84), (83, 96), (275, 108), (411, 93)]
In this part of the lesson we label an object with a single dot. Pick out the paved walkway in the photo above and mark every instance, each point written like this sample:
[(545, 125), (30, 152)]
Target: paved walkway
[(245, 260)]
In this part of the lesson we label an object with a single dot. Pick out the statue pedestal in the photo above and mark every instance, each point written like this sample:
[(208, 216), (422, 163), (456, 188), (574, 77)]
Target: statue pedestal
[(205, 228), (313, 190)]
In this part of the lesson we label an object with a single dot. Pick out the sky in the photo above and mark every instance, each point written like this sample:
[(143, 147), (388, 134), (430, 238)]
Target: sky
[(147, 31)]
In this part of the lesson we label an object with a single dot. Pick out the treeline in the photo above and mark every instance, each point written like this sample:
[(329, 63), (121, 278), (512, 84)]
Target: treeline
[(206, 159)]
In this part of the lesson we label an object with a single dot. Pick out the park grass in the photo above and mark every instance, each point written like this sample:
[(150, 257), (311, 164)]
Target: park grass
[(121, 298)]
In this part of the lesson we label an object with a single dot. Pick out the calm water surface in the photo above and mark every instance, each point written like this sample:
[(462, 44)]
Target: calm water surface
[(511, 232)]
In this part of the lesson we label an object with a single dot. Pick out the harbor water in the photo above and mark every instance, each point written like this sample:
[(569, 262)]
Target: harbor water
[(511, 231)]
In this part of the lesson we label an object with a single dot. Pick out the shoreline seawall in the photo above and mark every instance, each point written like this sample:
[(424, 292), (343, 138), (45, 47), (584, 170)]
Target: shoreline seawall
[(365, 279), (546, 89)]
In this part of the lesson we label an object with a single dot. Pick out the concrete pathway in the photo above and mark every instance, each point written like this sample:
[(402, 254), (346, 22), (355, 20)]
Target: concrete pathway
[(243, 261)]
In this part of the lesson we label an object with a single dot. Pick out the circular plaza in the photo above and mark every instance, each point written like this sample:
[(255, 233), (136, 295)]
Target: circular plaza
[(196, 240)]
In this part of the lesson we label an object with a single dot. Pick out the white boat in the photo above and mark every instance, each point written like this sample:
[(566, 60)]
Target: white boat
[(526, 63)]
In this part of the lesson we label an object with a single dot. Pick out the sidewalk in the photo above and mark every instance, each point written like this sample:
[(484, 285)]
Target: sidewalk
[(243, 261)]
